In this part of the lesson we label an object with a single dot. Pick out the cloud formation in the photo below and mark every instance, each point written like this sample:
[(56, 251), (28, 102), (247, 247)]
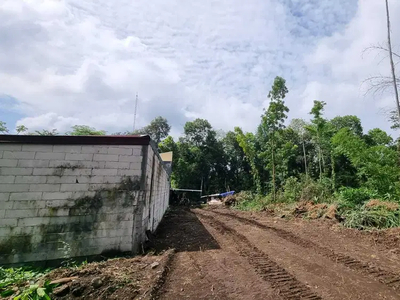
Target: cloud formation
[(82, 62)]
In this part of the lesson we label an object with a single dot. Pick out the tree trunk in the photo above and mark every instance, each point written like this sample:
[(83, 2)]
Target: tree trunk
[(396, 93), (305, 160), (273, 175)]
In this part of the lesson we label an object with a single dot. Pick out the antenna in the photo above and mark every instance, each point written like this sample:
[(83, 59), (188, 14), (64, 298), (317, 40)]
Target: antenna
[(134, 117)]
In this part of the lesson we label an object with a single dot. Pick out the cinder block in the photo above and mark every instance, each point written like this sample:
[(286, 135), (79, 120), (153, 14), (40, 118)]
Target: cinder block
[(138, 166), (10, 147), (74, 187), (67, 148), (44, 187), (96, 179), (105, 157), (65, 164), (33, 221), (30, 204), (111, 179), (104, 172), (37, 148), (7, 179), (8, 162), (4, 197), (8, 222), (130, 158), (77, 172), (78, 157), (16, 171), (33, 163), (5, 231), (57, 195), (117, 165), (120, 151), (44, 171), (2, 213), (1, 154), (20, 213), (50, 155), (26, 196), (95, 149), (129, 172), (30, 179), (61, 179), (59, 203), (53, 212), (100, 186), (18, 155), (5, 188), (82, 179)]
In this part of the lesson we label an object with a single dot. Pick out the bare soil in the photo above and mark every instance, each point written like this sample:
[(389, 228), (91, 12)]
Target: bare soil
[(227, 254), (221, 253)]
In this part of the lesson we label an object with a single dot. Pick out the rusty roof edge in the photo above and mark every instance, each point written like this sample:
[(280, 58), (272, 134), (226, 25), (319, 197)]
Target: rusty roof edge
[(77, 140)]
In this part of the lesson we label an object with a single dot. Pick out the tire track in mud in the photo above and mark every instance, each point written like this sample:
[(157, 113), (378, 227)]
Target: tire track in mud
[(384, 276), (282, 281)]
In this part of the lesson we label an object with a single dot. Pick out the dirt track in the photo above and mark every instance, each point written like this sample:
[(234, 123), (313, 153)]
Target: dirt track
[(222, 254)]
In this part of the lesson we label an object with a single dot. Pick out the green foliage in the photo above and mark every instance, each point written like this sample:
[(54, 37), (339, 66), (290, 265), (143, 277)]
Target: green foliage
[(34, 292), (45, 132), (372, 217), (356, 196), (85, 130), (21, 129), (158, 129), (19, 277), (3, 127), (292, 189), (249, 201)]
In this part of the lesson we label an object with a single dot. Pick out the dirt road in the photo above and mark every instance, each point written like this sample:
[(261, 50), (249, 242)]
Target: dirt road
[(223, 254)]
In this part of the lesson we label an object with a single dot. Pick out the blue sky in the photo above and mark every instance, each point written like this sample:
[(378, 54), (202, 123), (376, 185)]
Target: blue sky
[(81, 61)]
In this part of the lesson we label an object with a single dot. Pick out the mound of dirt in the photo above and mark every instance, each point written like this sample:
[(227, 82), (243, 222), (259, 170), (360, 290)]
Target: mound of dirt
[(121, 278), (375, 203), (315, 211), (229, 200)]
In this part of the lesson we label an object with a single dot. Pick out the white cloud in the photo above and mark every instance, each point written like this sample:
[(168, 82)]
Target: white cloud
[(82, 62)]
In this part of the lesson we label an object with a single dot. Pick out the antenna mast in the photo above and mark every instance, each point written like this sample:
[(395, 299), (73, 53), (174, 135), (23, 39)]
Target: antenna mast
[(134, 117)]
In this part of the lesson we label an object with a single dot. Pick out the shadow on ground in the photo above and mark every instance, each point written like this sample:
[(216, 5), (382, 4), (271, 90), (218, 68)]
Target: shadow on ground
[(182, 230)]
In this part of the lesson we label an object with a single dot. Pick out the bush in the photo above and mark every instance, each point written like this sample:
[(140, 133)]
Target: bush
[(317, 191), (250, 201), (292, 189), (372, 217), (355, 196)]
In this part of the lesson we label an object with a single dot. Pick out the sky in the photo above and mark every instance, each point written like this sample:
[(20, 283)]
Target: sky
[(81, 62)]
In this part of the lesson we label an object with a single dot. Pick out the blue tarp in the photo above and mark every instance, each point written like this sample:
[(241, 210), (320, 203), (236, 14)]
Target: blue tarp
[(227, 194)]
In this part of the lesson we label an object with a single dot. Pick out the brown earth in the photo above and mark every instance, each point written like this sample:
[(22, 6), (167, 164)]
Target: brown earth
[(226, 254), (221, 253)]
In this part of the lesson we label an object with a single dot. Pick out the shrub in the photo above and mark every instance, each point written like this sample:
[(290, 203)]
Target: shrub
[(316, 191), (355, 196), (372, 217), (292, 189), (250, 201)]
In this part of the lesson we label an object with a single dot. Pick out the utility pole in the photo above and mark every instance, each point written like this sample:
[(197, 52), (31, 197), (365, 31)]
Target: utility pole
[(134, 117), (396, 93)]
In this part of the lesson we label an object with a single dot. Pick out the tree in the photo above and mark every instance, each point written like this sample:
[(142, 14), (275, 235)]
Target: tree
[(351, 122), (21, 129), (158, 129), (377, 137), (299, 126), (318, 131), (45, 132), (85, 130), (273, 121), (3, 127)]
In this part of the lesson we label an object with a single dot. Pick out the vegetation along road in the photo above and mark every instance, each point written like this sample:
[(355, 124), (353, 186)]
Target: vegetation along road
[(227, 254)]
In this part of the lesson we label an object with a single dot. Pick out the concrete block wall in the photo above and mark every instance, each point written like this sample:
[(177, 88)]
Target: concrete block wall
[(59, 201)]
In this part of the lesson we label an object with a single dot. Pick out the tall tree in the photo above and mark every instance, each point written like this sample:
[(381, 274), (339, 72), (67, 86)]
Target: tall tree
[(273, 121), (299, 126), (318, 131), (21, 129), (158, 129)]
